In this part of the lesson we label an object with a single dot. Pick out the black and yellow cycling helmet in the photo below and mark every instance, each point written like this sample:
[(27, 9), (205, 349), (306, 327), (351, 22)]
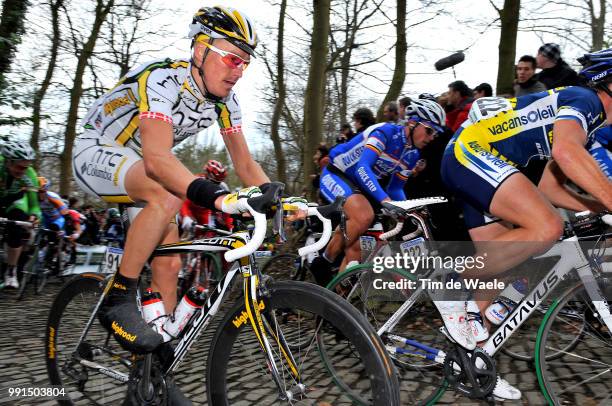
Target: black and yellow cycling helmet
[(225, 23)]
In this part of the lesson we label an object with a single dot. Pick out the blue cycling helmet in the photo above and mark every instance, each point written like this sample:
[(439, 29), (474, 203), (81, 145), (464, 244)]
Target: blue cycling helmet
[(597, 68)]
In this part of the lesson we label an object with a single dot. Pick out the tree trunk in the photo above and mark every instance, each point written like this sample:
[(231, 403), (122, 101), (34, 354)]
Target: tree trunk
[(11, 29), (509, 17), (598, 25), (315, 89), (40, 93), (281, 167), (401, 48), (76, 92)]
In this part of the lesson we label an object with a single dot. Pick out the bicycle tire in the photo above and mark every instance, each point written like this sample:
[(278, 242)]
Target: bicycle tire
[(68, 316), (421, 381), (593, 349), (233, 345), (521, 345)]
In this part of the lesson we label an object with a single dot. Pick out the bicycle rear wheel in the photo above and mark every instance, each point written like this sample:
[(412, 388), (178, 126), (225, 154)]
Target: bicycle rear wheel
[(235, 355), (66, 359), (421, 378), (579, 373)]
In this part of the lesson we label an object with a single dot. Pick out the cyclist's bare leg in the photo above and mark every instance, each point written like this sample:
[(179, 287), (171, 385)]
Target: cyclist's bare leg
[(538, 226), (359, 216), (151, 224), (166, 270), (12, 255)]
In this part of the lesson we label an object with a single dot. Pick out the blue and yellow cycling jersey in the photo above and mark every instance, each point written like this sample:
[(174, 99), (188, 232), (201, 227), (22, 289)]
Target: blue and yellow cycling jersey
[(517, 130), (502, 134), (380, 151)]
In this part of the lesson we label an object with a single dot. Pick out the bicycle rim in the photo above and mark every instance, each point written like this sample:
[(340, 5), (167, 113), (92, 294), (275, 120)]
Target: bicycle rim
[(578, 373), (69, 314), (421, 380), (235, 354)]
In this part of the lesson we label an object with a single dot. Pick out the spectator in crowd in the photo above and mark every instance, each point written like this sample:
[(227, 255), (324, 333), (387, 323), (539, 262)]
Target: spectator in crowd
[(555, 71), (346, 133), (73, 202), (363, 117), (483, 90), (403, 103), (391, 112), (526, 80), (91, 235), (460, 97)]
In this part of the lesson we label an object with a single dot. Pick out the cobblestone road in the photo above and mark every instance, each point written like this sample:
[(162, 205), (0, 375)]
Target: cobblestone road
[(22, 361)]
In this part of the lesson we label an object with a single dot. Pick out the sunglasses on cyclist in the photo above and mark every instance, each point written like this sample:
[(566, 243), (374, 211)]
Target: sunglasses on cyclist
[(429, 130), (229, 59)]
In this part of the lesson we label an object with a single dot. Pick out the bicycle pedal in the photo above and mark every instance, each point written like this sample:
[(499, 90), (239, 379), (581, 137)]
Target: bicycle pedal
[(445, 332)]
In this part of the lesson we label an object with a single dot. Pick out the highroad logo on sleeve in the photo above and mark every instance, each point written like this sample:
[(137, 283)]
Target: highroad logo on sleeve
[(532, 116)]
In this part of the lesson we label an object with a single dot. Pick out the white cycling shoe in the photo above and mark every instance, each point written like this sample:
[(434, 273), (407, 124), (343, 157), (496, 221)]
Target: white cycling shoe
[(455, 318), (504, 391)]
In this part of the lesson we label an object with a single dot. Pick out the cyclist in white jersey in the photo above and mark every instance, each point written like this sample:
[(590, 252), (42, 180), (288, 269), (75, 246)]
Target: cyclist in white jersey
[(125, 155)]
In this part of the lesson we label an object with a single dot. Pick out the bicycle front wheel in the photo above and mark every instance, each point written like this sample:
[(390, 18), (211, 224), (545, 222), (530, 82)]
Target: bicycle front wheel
[(72, 359), (416, 322), (574, 352), (237, 369)]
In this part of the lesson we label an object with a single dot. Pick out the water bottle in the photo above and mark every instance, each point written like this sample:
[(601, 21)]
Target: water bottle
[(154, 312), (507, 301), (193, 300)]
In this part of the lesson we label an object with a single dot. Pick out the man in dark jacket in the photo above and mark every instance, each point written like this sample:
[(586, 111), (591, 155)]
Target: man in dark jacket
[(526, 80), (460, 97), (555, 72)]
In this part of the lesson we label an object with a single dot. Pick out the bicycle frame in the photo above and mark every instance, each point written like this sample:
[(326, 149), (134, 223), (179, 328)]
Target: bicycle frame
[(571, 257), (201, 320)]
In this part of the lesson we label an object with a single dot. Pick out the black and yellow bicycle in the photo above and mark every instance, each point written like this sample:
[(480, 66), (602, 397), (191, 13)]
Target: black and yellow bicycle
[(252, 356)]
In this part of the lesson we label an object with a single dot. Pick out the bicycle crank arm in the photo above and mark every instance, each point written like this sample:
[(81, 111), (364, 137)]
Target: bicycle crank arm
[(120, 376)]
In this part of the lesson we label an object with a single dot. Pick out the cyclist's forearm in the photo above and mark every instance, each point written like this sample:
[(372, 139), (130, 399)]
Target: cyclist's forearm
[(553, 186), (582, 169), (250, 173)]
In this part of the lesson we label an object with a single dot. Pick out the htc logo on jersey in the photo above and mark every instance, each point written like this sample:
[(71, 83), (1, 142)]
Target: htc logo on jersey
[(530, 117)]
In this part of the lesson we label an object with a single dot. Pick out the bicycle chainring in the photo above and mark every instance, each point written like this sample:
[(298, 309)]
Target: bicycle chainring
[(463, 374)]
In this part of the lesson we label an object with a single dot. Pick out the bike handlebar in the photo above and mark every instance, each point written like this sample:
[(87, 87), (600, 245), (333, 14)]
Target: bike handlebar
[(323, 213), (26, 224), (257, 207)]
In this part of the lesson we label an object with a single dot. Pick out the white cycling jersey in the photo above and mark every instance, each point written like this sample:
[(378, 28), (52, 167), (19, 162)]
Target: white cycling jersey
[(164, 90)]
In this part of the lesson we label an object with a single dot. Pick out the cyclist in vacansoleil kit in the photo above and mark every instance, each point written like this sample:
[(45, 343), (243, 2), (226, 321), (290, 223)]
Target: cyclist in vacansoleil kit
[(357, 168), (18, 201), (125, 155), (500, 203)]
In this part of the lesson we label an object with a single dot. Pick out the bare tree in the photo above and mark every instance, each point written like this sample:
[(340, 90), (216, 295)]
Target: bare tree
[(42, 90), (281, 166), (579, 22), (509, 19), (130, 33), (315, 89), (83, 51), (11, 30), (401, 48)]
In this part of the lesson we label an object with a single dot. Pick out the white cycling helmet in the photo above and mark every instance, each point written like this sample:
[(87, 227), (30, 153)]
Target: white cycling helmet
[(18, 151), (427, 110)]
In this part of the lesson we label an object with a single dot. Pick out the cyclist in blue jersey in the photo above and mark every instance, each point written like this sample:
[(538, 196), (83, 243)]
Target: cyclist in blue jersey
[(372, 169), (500, 203), (52, 206), (600, 150)]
